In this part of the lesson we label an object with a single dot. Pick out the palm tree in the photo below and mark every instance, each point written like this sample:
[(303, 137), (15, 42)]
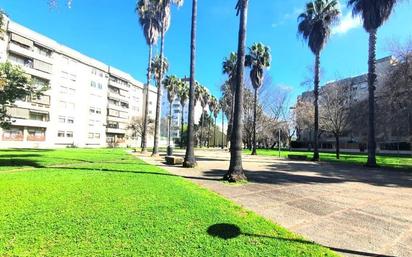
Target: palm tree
[(183, 94), (212, 107), (163, 17), (374, 13), (204, 100), (171, 84), (229, 68), (190, 160), (215, 114), (158, 68), (235, 172), (315, 27), (151, 27), (258, 60), (221, 106)]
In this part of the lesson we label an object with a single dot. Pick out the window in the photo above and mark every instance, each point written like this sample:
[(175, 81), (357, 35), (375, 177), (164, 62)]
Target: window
[(93, 84), (38, 116), (69, 134), (70, 120), (90, 135), (62, 119), (94, 71), (72, 91), (42, 51), (60, 133), (98, 111), (99, 86), (70, 106), (13, 134), (92, 110), (97, 135)]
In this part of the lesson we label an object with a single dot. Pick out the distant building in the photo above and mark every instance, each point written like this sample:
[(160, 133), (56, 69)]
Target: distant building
[(88, 104), (355, 138)]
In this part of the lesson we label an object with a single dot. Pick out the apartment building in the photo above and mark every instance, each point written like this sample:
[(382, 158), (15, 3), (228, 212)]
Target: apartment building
[(87, 104), (355, 137)]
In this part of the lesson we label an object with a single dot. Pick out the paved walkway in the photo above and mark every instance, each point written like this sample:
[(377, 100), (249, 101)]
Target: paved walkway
[(354, 211)]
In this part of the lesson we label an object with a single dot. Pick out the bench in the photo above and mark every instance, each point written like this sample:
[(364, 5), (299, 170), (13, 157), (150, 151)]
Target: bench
[(297, 157), (173, 160)]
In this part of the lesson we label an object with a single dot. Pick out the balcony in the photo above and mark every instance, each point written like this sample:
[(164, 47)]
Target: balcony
[(118, 96), (118, 85), (29, 123), (115, 130), (28, 52)]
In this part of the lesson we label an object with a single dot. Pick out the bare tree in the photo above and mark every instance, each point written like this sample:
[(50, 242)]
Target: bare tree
[(136, 126), (335, 110)]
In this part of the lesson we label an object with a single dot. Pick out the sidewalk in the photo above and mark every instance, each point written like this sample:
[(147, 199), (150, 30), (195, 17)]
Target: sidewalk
[(352, 210)]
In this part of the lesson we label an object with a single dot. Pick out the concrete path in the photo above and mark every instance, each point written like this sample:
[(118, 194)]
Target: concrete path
[(352, 210)]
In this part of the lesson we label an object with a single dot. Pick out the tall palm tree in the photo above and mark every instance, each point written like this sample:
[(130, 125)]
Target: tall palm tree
[(204, 100), (190, 160), (258, 60), (236, 172), (148, 21), (215, 114), (212, 107), (221, 106), (171, 84), (183, 94), (229, 68), (315, 25), (158, 68), (373, 13), (164, 17)]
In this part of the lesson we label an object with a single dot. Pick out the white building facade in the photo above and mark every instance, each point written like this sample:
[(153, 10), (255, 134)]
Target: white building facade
[(87, 104)]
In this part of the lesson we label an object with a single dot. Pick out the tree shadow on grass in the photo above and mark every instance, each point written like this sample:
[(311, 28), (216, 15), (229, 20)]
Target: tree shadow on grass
[(15, 162), (141, 172), (228, 231)]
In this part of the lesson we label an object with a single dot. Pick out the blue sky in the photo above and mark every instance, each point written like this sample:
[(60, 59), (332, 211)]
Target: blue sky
[(108, 31)]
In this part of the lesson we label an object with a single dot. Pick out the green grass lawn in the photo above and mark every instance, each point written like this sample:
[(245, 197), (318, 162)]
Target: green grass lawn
[(77, 202), (390, 161)]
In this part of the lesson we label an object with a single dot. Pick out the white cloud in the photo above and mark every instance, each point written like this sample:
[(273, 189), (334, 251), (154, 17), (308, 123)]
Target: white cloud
[(347, 22), (287, 17)]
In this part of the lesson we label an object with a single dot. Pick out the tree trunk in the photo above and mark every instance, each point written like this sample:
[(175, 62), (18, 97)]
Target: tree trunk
[(236, 172), (223, 134), (169, 132), (201, 127), (190, 160), (181, 126), (316, 104), (337, 147), (146, 103), (254, 124), (155, 151), (371, 101), (230, 121), (208, 133), (214, 133)]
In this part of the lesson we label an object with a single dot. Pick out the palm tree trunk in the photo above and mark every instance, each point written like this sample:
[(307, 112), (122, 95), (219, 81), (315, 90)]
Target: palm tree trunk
[(201, 128), (230, 122), (254, 124), (146, 108), (208, 133), (169, 132), (316, 104), (214, 133), (181, 126), (190, 160), (371, 101), (235, 172), (223, 125), (159, 98)]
